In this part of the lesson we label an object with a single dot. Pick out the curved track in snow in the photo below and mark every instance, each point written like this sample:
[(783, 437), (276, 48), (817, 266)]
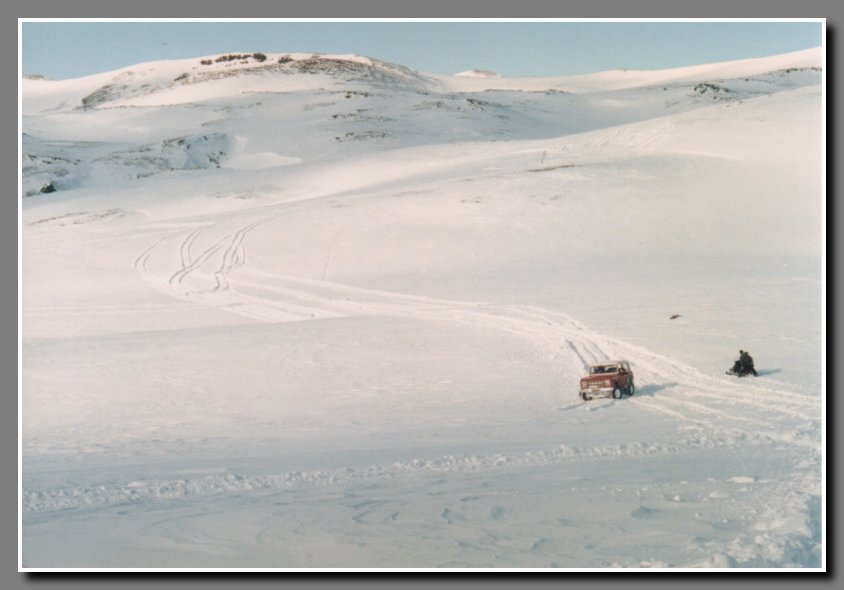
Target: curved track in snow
[(207, 265)]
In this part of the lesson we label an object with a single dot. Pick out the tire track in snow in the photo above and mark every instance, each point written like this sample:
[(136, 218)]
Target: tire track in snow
[(661, 368), (272, 297), (233, 257), (229, 247), (552, 326), (707, 390), (665, 370), (706, 381), (179, 276), (142, 261), (186, 247), (721, 391), (574, 348)]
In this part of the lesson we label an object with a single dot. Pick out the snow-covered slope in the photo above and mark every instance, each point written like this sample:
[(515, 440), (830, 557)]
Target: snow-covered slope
[(285, 310)]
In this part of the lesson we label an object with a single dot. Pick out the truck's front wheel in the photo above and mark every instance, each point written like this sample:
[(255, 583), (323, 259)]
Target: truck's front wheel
[(616, 393)]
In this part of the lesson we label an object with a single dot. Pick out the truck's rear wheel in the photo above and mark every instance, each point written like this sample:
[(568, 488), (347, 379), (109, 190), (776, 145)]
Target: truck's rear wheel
[(631, 389)]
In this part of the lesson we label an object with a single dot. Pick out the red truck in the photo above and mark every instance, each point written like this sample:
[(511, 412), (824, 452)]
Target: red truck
[(611, 378)]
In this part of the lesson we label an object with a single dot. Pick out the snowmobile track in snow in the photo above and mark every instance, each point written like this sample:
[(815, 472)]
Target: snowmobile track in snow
[(274, 297)]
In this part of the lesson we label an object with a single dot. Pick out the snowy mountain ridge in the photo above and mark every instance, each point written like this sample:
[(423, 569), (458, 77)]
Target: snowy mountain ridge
[(152, 76), (402, 98)]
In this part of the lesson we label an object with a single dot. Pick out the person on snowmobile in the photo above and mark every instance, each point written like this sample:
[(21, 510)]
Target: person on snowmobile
[(738, 367), (747, 363)]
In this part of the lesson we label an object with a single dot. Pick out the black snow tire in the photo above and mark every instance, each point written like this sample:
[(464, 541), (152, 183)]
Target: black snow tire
[(586, 397), (616, 393), (631, 389)]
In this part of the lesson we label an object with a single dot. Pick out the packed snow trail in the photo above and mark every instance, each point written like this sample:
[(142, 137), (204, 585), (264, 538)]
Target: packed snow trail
[(206, 279)]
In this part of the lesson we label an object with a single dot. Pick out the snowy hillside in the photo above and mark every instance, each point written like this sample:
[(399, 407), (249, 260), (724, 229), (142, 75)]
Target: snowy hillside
[(315, 311)]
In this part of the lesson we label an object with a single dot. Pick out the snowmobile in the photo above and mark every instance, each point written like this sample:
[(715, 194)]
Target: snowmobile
[(741, 371)]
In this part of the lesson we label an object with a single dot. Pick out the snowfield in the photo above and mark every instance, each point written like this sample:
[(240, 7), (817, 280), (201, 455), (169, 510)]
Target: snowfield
[(287, 311)]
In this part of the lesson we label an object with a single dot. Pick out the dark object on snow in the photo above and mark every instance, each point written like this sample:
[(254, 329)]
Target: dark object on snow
[(747, 363), (674, 317), (48, 188), (743, 365)]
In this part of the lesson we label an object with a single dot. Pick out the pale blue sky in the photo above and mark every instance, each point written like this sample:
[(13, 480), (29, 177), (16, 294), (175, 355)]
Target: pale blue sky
[(61, 50)]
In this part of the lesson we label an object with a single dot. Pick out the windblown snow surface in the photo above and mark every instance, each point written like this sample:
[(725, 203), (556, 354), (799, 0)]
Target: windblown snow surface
[(308, 311)]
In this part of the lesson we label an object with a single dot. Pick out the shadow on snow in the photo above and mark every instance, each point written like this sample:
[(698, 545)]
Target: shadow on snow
[(654, 388)]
